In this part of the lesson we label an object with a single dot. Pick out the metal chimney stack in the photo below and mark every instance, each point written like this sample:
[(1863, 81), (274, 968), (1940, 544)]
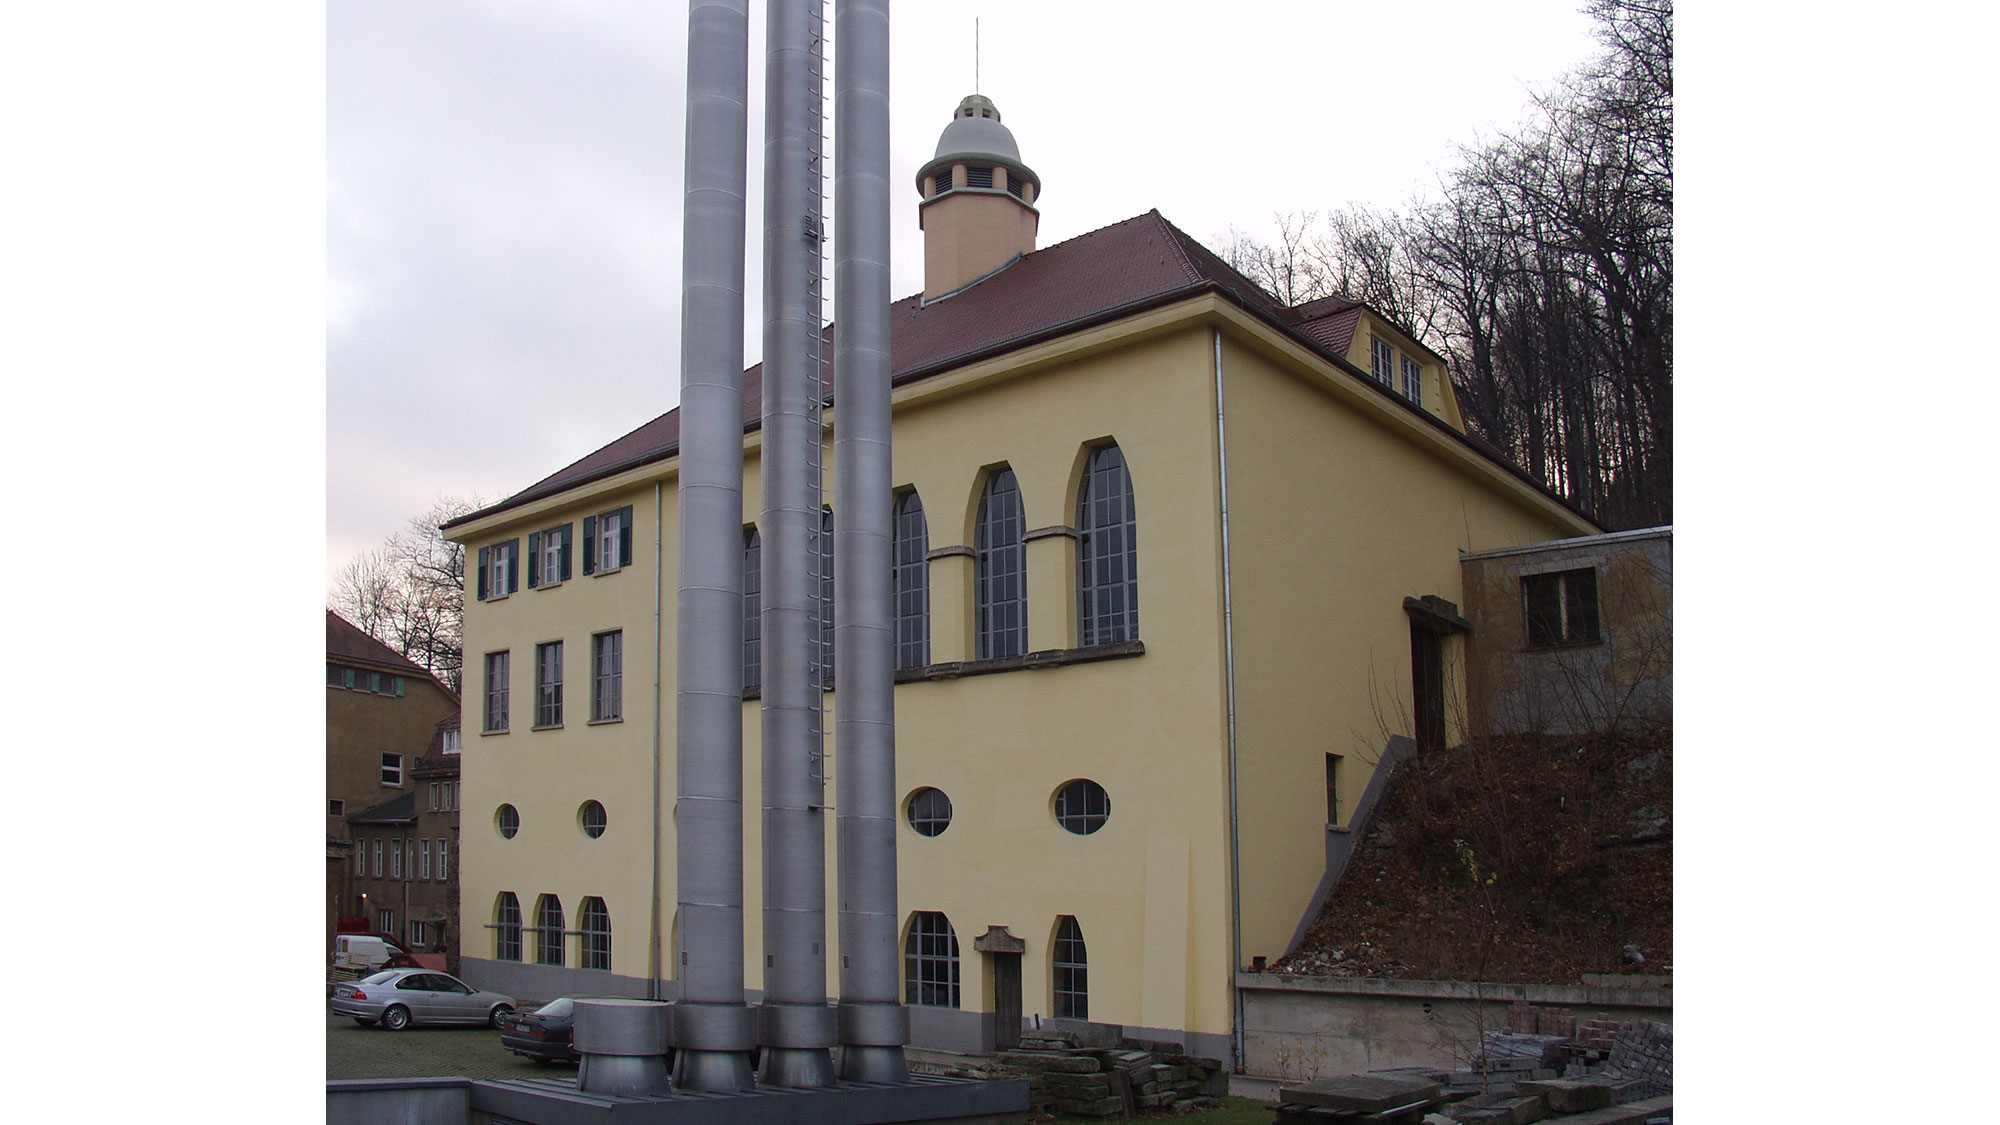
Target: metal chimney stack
[(711, 1022), (795, 1025), (873, 1024)]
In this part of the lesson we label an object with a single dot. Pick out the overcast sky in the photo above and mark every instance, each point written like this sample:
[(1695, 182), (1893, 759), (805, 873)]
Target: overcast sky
[(504, 184)]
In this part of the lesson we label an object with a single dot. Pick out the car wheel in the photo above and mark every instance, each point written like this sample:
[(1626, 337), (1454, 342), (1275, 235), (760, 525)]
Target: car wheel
[(498, 1016), (396, 1018), (364, 1023)]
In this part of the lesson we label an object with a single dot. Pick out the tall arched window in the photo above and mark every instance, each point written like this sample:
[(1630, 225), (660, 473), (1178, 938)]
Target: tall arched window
[(912, 583), (1002, 597), (1107, 552), (930, 962), (548, 931), (596, 934), (1072, 984), (507, 928), (753, 611)]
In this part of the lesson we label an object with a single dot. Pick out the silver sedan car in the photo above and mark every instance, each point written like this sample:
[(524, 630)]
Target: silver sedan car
[(400, 997)]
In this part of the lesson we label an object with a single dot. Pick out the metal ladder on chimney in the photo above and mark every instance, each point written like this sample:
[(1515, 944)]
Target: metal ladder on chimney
[(820, 538)]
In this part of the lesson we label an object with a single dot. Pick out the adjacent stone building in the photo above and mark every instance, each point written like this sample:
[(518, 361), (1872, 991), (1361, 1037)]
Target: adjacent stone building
[(382, 712)]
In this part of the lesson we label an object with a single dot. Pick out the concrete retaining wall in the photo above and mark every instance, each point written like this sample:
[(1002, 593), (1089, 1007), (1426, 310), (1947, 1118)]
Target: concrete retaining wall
[(399, 1101), (1299, 1029)]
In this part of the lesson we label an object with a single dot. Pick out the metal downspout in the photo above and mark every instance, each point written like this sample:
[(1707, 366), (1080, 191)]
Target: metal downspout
[(873, 1023), (795, 1026), (712, 1025), (659, 576), (1229, 667)]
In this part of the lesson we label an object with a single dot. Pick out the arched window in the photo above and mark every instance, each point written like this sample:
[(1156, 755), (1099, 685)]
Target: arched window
[(826, 595), (913, 583), (1072, 985), (1107, 553), (1002, 597), (930, 962), (548, 931), (507, 928), (753, 610), (596, 934)]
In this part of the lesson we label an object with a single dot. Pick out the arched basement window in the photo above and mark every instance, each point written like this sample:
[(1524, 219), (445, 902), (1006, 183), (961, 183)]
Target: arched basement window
[(507, 928), (1071, 965), (596, 934), (548, 931), (930, 962)]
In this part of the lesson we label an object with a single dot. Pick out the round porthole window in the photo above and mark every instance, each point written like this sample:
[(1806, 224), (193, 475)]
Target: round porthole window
[(929, 811), (591, 816), (1082, 806), (508, 820)]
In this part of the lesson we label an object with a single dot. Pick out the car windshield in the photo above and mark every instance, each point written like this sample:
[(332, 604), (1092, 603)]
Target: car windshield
[(383, 977), (560, 1007)]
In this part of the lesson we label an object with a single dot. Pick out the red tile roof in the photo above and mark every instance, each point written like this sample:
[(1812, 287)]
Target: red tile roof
[(346, 643), (1106, 274)]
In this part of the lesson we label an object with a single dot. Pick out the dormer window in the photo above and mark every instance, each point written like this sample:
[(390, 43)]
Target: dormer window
[(978, 175)]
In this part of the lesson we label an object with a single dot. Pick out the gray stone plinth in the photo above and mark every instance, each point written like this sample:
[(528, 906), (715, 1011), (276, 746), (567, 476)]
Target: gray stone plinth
[(1363, 1093)]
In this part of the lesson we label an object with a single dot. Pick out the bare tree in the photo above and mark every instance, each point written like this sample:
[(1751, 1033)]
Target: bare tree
[(409, 593)]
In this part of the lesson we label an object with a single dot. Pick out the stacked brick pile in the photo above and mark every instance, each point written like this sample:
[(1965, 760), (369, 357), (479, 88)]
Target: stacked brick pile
[(1110, 1081), (1527, 1019)]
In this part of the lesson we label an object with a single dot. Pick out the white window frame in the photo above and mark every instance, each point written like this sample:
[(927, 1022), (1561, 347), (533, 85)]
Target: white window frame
[(607, 687), (418, 939), (360, 859), (551, 560), (549, 684), (388, 920), (451, 742), (1413, 381), (424, 860), (609, 527), (396, 861), (395, 770), (443, 860), (499, 676), (378, 858), (1382, 358), (434, 796)]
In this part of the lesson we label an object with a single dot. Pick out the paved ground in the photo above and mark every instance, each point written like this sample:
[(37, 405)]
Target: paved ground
[(353, 1051)]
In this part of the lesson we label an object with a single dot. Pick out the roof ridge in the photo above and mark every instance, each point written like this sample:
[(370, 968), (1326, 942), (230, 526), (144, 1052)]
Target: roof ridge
[(1174, 236)]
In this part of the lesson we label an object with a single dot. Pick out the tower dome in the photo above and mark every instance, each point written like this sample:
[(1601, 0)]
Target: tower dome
[(976, 138), (978, 210)]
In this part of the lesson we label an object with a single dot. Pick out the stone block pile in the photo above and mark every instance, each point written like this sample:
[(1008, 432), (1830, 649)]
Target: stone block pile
[(1064, 1077)]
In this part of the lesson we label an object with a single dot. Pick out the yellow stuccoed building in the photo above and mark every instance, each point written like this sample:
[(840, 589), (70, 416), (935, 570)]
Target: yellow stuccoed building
[(1174, 573)]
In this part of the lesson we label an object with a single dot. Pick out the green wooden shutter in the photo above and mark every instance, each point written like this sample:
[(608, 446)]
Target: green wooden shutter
[(534, 559), (513, 566), (563, 551), (590, 544), (484, 561), (625, 535)]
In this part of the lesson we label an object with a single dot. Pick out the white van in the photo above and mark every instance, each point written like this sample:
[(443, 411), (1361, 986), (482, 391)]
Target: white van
[(365, 953)]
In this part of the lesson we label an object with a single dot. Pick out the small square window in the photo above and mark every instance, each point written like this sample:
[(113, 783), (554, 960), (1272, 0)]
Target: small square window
[(336, 807), (451, 743), (1561, 608)]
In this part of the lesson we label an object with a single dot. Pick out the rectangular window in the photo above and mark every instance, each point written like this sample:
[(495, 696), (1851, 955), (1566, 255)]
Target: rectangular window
[(396, 860), (548, 556), (336, 807), (1413, 381), (450, 742), (336, 676), (360, 859), (392, 769), (499, 569), (607, 541), (419, 935), (496, 691), (1332, 790), (444, 861), (607, 683), (388, 924), (450, 796), (423, 859), (378, 859), (375, 682), (548, 684), (434, 796), (1561, 608), (1383, 358)]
